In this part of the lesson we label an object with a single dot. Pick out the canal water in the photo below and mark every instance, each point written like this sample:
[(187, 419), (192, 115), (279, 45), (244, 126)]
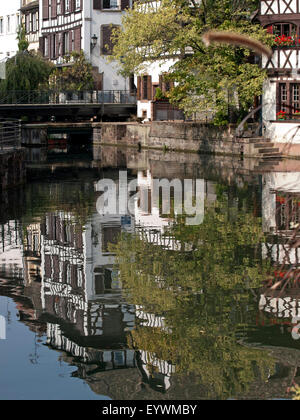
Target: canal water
[(142, 304)]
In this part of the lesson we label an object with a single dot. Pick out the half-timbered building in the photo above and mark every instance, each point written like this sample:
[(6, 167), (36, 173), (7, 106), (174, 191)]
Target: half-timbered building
[(30, 20), (74, 25), (281, 97)]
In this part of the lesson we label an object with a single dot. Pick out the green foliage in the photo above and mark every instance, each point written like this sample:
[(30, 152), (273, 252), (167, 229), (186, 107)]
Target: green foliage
[(75, 76), (159, 95), (218, 77), (23, 44), (26, 71), (296, 391)]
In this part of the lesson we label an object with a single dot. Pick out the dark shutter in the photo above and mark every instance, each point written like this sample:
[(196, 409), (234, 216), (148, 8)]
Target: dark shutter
[(72, 6), (57, 49), (124, 4), (106, 32), (97, 4), (106, 39), (77, 39), (54, 9), (149, 88), (161, 82), (62, 7), (139, 84), (45, 9), (70, 41), (41, 45)]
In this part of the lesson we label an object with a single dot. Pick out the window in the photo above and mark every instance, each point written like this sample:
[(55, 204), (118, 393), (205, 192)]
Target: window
[(110, 4), (66, 42), (67, 6), (46, 47), (145, 87), (1, 25), (110, 235), (34, 22), (288, 95), (106, 39), (78, 5), (27, 24), (286, 29), (8, 28)]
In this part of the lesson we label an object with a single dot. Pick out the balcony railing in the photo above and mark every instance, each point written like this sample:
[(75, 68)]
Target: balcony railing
[(10, 133), (51, 97)]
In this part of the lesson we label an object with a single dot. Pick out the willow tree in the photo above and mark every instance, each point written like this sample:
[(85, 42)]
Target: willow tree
[(26, 71), (213, 77), (205, 295)]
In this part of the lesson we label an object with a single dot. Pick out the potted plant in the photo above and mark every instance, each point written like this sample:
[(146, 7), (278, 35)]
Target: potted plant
[(281, 115)]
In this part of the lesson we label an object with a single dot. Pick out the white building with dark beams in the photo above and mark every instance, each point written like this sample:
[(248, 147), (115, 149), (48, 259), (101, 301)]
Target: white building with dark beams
[(30, 20), (281, 97), (74, 25)]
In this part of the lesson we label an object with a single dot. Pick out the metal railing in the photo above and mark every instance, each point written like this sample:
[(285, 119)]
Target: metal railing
[(10, 133), (51, 97)]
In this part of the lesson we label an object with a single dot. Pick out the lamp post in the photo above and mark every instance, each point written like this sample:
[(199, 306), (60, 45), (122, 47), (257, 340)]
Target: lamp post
[(94, 40)]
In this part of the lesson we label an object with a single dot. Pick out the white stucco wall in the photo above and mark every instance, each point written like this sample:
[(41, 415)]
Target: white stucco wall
[(278, 132), (154, 70), (8, 42)]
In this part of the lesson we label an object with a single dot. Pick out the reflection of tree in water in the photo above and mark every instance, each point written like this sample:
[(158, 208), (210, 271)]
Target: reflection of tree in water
[(204, 297)]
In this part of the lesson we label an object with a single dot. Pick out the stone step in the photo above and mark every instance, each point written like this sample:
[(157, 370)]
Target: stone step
[(258, 145), (269, 150), (259, 140), (271, 155)]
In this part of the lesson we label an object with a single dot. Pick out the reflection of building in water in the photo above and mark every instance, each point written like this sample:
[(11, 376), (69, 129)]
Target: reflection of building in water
[(105, 359), (80, 287), (281, 217), (156, 372), (11, 252), (150, 221)]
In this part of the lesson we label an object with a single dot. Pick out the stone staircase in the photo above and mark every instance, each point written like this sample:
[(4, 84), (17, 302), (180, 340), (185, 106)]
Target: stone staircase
[(264, 149), (268, 154)]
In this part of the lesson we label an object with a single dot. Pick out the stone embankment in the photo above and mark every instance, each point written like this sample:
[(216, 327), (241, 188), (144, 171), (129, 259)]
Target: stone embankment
[(12, 168), (185, 137)]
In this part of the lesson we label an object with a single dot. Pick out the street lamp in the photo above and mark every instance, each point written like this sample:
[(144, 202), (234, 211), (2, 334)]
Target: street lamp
[(94, 41)]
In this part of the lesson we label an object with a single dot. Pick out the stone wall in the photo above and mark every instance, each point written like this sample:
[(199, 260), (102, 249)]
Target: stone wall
[(178, 136), (12, 168), (34, 135)]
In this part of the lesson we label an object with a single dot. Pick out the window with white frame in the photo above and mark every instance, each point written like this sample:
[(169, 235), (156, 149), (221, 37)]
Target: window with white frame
[(8, 24), (67, 6)]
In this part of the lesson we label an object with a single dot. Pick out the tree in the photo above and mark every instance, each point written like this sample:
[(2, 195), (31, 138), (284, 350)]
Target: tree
[(76, 75), (215, 77), (26, 71), (23, 44)]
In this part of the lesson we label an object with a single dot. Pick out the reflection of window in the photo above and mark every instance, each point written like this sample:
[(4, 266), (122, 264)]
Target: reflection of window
[(110, 235), (287, 211), (103, 282)]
